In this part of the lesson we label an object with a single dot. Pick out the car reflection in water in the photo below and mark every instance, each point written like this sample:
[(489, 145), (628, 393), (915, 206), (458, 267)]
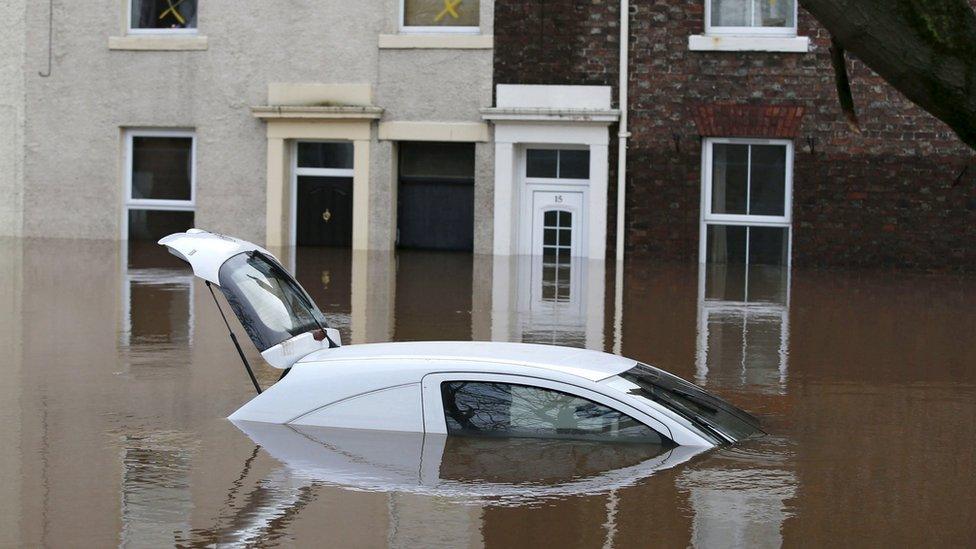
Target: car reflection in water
[(516, 470), (465, 470)]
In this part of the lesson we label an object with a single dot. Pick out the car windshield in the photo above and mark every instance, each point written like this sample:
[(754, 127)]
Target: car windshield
[(708, 412), (270, 304)]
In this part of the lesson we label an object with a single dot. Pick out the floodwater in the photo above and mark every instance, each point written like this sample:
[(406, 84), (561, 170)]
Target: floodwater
[(118, 375)]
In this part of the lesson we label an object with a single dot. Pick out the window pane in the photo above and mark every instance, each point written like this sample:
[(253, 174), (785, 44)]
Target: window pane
[(155, 224), (441, 13), (729, 178), (767, 245), (767, 185), (731, 13), (726, 244), (447, 160), (503, 409), (774, 13), (164, 14), (753, 13), (325, 155), (541, 163), (162, 167), (270, 304), (574, 164)]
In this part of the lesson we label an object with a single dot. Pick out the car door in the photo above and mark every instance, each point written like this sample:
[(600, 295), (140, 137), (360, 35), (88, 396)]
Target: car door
[(472, 403)]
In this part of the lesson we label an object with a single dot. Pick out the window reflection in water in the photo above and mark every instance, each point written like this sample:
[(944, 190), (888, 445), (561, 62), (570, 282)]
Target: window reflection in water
[(157, 302), (743, 326), (156, 498)]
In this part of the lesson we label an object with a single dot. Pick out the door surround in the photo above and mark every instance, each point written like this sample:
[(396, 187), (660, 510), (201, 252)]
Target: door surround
[(549, 117), (285, 127)]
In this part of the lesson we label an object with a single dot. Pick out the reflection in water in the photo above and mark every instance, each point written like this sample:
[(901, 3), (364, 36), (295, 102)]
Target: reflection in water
[(555, 300), (509, 471), (157, 305), (102, 444), (744, 495), (743, 326), (156, 498)]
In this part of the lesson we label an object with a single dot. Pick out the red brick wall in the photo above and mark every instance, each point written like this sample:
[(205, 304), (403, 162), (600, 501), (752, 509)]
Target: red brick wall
[(903, 193)]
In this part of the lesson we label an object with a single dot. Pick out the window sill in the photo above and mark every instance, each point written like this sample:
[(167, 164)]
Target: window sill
[(788, 44), (436, 41), (157, 43)]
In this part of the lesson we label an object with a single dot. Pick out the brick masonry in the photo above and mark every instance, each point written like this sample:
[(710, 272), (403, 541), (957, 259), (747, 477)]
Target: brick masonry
[(901, 194)]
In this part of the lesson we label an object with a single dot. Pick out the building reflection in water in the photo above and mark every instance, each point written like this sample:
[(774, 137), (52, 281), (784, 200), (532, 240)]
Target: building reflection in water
[(743, 326), (156, 498), (736, 505), (548, 299), (157, 303)]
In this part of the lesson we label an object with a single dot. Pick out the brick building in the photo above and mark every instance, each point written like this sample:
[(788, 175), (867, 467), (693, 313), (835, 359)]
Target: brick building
[(753, 107)]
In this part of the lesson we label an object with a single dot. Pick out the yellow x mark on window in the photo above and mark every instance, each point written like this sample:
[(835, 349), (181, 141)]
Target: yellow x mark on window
[(450, 8), (176, 13)]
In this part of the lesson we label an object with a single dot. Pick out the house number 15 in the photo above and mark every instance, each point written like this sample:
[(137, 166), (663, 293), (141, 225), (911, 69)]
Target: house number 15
[(559, 199)]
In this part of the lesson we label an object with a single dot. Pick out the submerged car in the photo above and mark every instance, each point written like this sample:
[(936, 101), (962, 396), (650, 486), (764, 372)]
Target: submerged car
[(453, 388)]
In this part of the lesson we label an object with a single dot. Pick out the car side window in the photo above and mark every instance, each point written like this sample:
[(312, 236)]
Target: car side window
[(512, 410)]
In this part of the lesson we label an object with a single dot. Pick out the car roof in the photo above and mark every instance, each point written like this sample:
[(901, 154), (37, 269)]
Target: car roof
[(584, 363)]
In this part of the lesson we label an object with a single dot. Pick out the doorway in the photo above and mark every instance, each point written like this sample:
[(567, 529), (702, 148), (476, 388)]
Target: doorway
[(554, 219), (435, 201), (322, 194)]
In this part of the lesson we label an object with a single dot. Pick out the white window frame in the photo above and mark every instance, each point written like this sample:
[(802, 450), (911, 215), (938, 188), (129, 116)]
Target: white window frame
[(524, 164), (708, 218), (297, 171), (749, 31), (129, 29), (410, 29), (130, 203)]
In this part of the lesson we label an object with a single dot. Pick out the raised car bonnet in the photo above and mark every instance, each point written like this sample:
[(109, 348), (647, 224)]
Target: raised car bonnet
[(276, 312)]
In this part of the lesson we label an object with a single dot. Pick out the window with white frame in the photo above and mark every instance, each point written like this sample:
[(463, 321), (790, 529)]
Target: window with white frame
[(747, 199), (159, 183), (460, 16), (162, 16), (751, 17)]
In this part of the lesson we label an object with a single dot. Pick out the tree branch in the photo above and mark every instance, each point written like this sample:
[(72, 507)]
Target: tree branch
[(844, 94), (926, 49)]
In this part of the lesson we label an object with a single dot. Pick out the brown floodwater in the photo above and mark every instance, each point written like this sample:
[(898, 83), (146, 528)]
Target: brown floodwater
[(118, 374)]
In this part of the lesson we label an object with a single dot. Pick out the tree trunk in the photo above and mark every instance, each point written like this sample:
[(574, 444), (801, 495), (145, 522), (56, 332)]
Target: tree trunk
[(926, 49)]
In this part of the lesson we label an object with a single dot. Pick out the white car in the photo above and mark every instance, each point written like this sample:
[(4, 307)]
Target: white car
[(463, 388)]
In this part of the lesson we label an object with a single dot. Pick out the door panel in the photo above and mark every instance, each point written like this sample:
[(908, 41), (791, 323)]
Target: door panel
[(557, 224), (324, 211), (435, 214)]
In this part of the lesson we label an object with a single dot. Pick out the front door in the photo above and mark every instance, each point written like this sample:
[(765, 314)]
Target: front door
[(556, 224), (324, 211)]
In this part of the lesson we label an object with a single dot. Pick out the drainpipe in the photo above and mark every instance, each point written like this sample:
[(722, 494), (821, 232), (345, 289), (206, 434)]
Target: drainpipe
[(622, 135)]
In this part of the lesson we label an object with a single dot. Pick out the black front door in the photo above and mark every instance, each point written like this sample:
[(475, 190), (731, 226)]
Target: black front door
[(324, 208)]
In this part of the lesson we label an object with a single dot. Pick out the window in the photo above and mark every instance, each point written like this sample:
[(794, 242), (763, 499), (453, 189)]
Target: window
[(769, 17), (747, 196), (440, 15), (326, 156), (557, 252), (162, 16), (505, 409), (557, 163), (708, 412), (160, 177), (270, 304)]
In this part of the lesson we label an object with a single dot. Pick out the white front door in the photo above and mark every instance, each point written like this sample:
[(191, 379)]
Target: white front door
[(557, 219)]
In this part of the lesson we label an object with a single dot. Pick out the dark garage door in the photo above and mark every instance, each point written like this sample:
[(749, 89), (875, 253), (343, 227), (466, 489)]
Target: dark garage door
[(435, 207)]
